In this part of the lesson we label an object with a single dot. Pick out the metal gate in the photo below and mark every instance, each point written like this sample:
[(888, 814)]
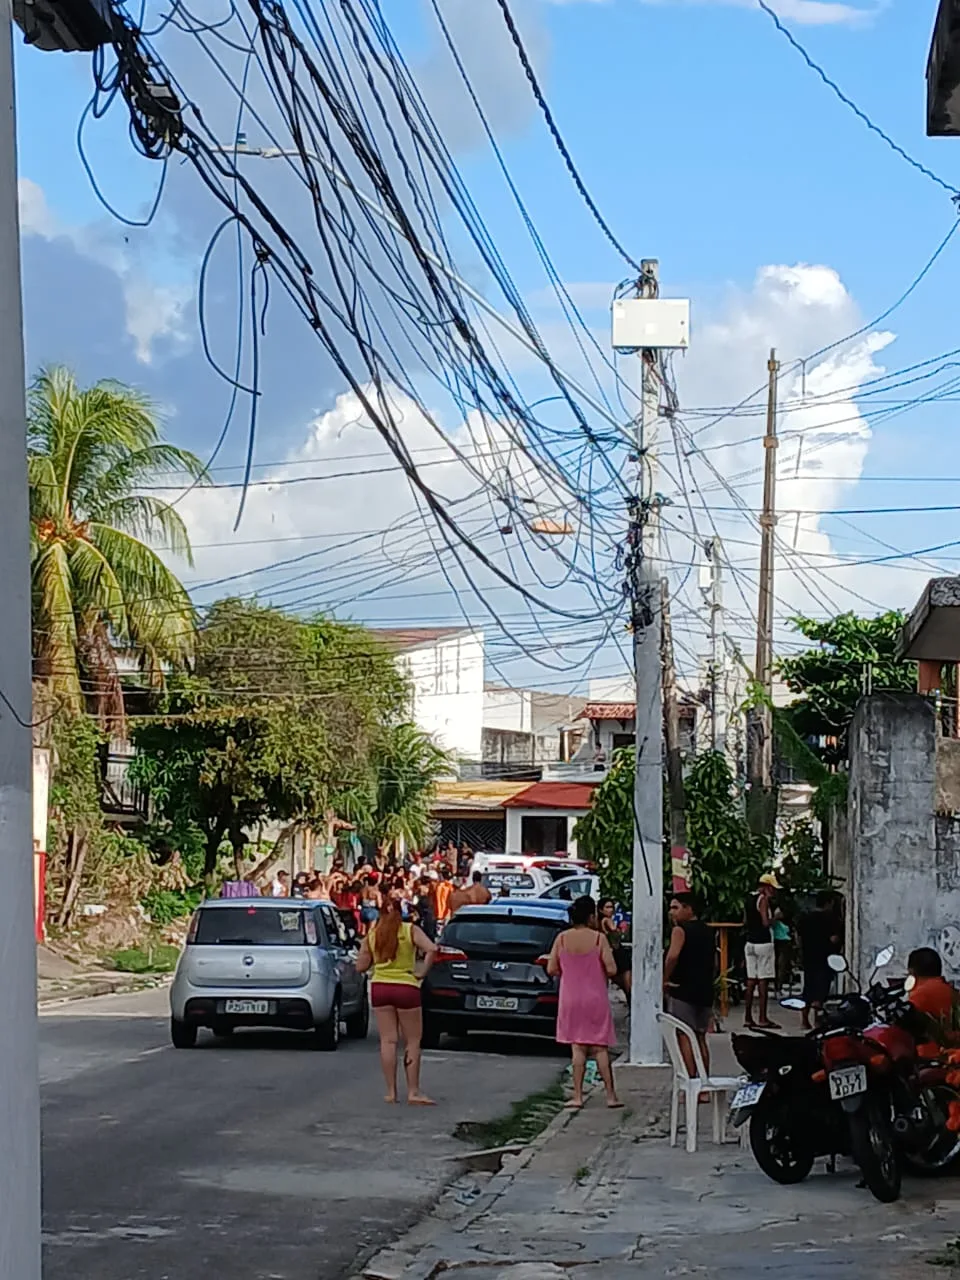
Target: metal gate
[(478, 833)]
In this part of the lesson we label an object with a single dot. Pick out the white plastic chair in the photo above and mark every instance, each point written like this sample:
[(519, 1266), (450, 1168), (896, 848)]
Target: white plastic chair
[(690, 1087)]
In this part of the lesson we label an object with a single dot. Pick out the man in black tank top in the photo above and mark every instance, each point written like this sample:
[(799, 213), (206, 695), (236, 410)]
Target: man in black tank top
[(688, 974)]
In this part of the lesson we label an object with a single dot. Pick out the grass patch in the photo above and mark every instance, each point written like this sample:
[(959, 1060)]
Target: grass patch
[(527, 1118), (153, 958)]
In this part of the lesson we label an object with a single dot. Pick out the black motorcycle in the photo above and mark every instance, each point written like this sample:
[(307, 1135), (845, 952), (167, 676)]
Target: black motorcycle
[(791, 1117)]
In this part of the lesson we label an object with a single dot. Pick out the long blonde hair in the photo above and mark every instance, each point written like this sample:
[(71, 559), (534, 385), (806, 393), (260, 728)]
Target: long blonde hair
[(385, 934)]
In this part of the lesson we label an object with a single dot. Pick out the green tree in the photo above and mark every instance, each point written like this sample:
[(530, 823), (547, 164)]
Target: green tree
[(829, 679), (725, 857), (76, 819), (407, 766), (280, 719), (604, 834), (97, 579)]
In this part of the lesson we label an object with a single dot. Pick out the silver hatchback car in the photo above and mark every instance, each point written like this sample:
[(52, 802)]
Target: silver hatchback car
[(268, 962)]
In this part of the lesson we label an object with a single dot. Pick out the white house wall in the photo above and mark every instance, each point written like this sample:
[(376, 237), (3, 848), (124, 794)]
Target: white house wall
[(447, 679)]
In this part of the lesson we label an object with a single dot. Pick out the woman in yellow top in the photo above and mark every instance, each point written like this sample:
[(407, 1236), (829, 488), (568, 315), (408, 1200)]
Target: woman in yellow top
[(390, 950)]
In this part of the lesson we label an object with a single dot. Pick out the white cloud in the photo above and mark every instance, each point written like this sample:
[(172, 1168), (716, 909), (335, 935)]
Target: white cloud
[(36, 216), (153, 310), (824, 439), (363, 525)]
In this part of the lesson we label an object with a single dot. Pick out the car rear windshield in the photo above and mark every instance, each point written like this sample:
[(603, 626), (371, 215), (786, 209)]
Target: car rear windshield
[(501, 935), (560, 871), (250, 926), (512, 879)]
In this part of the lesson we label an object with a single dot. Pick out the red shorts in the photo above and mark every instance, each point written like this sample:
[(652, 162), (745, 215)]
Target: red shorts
[(394, 995)]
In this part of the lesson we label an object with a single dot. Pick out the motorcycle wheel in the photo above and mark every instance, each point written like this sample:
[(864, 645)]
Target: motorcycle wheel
[(874, 1150), (943, 1155), (779, 1144)]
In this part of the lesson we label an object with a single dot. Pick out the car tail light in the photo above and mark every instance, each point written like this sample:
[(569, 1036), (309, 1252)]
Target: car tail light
[(542, 961), (449, 955), (548, 999), (194, 926)]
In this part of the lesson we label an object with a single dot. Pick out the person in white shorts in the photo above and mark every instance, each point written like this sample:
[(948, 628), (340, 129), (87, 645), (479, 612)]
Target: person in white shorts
[(759, 952)]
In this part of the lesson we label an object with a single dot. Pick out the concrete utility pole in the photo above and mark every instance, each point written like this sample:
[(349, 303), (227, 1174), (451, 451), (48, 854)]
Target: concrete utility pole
[(647, 907), (711, 584), (19, 1088), (761, 737), (671, 729)]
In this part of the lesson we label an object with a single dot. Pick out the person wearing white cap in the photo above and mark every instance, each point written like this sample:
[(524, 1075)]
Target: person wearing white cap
[(759, 952)]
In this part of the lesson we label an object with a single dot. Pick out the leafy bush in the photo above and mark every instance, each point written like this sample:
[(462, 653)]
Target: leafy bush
[(166, 905)]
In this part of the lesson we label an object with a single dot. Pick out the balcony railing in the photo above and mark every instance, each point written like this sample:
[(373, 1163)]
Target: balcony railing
[(121, 797)]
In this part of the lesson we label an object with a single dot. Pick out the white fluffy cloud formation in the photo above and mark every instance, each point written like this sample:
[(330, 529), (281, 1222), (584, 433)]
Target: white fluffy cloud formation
[(824, 439), (361, 532), (153, 310), (356, 541)]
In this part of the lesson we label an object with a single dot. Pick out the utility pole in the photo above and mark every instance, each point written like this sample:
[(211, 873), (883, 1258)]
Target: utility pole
[(19, 1088), (760, 740), (647, 907), (648, 325), (711, 584), (671, 732)]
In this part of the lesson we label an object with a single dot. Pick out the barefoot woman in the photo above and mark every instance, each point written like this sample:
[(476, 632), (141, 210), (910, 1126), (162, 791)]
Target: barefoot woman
[(390, 949), (584, 962)]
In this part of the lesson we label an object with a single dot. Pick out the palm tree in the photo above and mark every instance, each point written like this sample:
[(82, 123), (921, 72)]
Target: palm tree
[(98, 583), (408, 766)]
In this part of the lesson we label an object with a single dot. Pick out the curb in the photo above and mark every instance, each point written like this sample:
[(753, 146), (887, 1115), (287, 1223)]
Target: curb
[(99, 989), (397, 1262)]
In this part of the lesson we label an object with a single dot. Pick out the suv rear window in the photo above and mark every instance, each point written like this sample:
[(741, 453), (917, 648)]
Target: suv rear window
[(560, 871), (251, 926), (501, 935)]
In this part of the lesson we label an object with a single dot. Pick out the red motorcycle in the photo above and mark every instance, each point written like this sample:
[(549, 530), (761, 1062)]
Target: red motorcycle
[(897, 1104)]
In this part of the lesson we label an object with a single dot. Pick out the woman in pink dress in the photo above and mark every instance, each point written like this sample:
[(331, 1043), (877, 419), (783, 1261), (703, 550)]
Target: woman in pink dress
[(582, 958)]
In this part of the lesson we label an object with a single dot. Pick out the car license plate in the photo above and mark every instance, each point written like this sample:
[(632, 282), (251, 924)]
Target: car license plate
[(505, 1003), (747, 1096), (246, 1006), (847, 1082)]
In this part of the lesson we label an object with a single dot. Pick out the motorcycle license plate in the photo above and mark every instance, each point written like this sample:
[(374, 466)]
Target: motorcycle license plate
[(847, 1082), (748, 1095)]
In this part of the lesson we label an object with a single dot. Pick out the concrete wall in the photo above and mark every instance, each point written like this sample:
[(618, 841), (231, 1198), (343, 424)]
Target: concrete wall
[(904, 859)]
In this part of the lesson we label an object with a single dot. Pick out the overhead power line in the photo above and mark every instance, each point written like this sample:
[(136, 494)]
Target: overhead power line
[(849, 102), (558, 137)]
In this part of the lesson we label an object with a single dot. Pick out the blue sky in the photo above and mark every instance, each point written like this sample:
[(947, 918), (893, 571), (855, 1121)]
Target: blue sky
[(707, 143)]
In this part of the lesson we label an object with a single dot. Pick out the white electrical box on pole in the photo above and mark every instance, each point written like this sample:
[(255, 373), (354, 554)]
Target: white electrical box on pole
[(19, 1088), (640, 323)]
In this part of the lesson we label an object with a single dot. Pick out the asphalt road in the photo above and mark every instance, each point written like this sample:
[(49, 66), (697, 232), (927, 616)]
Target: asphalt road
[(255, 1160)]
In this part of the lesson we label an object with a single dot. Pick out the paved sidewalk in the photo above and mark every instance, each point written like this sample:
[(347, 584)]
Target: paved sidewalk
[(60, 980), (602, 1194)]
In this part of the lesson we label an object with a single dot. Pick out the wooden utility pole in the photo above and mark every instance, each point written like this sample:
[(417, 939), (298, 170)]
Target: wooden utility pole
[(671, 728), (760, 764)]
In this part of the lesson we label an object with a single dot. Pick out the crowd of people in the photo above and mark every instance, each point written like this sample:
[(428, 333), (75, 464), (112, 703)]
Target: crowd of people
[(428, 889)]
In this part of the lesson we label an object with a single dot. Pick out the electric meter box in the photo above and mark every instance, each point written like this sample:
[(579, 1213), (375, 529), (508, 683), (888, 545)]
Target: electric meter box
[(659, 323)]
